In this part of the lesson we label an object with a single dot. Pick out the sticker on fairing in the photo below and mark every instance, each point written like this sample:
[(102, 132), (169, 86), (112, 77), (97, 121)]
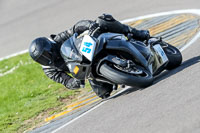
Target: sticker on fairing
[(88, 46), (161, 53)]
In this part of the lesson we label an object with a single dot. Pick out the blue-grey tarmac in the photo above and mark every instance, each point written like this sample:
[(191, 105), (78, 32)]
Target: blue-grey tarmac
[(170, 105)]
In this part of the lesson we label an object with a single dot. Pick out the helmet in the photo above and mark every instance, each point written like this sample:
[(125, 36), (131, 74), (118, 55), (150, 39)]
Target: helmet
[(43, 51)]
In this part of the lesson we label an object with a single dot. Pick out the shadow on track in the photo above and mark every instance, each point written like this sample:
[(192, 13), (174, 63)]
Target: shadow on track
[(164, 75), (183, 66)]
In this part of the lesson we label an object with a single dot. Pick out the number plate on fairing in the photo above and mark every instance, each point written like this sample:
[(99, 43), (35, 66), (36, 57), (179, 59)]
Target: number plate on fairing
[(88, 46), (161, 53)]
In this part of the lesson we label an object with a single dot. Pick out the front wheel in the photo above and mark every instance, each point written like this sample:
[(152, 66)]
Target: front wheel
[(174, 56), (138, 78)]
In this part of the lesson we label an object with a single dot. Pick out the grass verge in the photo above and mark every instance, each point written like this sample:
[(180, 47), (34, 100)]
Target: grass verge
[(27, 95)]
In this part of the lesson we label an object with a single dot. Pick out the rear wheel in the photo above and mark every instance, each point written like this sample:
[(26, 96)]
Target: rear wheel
[(137, 76), (174, 56)]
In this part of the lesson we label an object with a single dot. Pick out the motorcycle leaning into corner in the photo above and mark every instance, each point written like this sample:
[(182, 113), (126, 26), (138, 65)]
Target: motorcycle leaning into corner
[(117, 59)]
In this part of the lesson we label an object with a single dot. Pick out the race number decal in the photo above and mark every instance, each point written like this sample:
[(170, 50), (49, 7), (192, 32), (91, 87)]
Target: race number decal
[(87, 47), (161, 53)]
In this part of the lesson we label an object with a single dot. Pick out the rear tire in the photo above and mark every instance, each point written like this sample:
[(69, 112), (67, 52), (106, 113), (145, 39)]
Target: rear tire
[(174, 56), (121, 77)]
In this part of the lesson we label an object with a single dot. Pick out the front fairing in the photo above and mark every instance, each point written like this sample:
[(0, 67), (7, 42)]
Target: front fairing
[(74, 58), (146, 52), (142, 53), (155, 63), (69, 51)]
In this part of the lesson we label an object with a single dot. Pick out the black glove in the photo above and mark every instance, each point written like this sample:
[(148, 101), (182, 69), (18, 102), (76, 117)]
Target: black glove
[(94, 29), (93, 26), (145, 34), (139, 34), (73, 84), (61, 37)]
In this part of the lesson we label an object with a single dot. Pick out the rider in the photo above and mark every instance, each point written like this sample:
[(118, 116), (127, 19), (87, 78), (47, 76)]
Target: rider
[(46, 51)]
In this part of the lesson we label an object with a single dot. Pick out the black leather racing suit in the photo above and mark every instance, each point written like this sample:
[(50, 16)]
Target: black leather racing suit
[(106, 23)]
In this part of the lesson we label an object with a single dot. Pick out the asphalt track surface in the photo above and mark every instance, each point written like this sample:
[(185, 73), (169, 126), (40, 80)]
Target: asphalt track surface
[(170, 105)]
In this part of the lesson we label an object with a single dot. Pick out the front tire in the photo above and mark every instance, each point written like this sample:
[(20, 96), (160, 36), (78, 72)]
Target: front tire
[(174, 56), (121, 77)]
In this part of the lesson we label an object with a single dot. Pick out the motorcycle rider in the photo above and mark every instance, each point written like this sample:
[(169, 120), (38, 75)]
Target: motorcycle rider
[(46, 51)]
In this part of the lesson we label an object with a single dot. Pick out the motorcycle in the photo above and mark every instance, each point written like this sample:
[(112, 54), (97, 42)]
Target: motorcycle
[(113, 58)]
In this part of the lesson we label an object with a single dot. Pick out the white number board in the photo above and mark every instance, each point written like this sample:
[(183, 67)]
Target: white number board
[(88, 46)]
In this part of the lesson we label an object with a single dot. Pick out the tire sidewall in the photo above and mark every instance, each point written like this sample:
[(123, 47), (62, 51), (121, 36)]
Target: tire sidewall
[(175, 59), (120, 77)]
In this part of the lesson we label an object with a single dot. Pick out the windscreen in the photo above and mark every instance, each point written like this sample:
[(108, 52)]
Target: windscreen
[(69, 51)]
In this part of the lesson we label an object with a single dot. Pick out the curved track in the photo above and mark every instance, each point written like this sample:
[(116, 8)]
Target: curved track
[(170, 105)]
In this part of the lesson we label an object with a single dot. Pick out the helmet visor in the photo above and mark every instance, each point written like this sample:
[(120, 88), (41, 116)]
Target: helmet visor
[(46, 59)]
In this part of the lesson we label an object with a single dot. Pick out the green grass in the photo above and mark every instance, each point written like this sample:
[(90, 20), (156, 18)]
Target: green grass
[(27, 92)]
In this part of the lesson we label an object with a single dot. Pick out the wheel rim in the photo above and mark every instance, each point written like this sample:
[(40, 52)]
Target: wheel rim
[(170, 50), (133, 71)]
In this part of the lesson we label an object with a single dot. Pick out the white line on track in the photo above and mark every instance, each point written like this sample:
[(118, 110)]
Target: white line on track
[(191, 42), (87, 111), (193, 11), (15, 54), (15, 67)]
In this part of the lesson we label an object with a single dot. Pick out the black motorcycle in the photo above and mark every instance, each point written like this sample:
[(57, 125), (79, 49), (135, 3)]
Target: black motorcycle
[(116, 59)]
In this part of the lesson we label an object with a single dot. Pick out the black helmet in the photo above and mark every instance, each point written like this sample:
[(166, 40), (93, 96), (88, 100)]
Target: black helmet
[(43, 51)]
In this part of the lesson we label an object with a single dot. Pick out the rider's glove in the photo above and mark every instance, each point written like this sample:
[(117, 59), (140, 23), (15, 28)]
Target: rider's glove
[(73, 84), (145, 34), (93, 26), (94, 29), (139, 34), (61, 37)]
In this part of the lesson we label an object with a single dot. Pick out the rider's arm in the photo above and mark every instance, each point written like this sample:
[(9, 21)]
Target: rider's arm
[(62, 77), (108, 24), (79, 28)]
